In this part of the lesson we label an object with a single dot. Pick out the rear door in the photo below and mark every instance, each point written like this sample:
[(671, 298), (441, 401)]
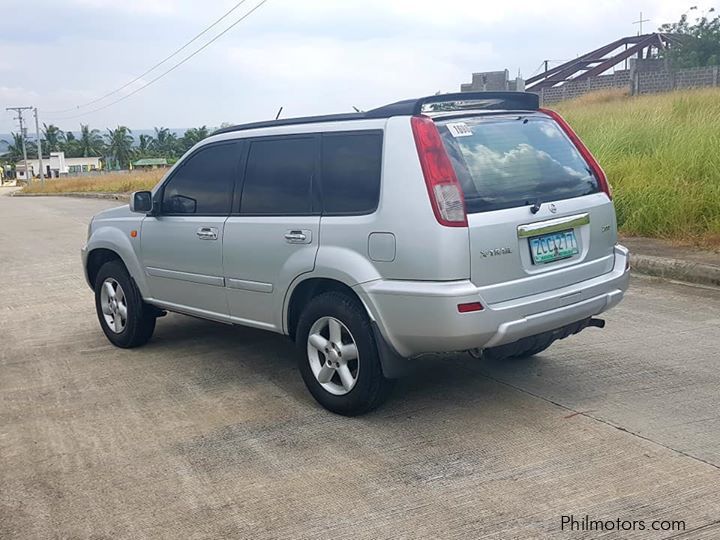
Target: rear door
[(272, 235), (537, 218)]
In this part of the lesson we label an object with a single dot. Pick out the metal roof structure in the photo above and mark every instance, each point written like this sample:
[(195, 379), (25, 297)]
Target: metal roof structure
[(145, 162), (600, 60)]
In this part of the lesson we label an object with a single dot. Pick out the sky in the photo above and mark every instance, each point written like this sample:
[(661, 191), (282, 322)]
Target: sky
[(308, 56)]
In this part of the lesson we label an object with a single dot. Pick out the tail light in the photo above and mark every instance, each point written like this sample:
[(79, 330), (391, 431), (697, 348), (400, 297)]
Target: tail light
[(445, 192), (587, 156)]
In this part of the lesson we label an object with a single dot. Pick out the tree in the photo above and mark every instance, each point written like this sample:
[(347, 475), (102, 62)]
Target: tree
[(699, 42), (70, 145), (119, 145), (14, 151), (165, 143), (145, 145), (193, 136), (90, 142), (53, 138)]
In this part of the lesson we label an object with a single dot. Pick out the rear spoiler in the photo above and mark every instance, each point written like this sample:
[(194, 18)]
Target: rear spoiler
[(506, 101)]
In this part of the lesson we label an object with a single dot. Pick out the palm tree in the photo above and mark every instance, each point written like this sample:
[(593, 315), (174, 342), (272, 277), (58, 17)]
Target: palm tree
[(193, 136), (14, 151), (53, 138), (145, 145), (71, 146), (90, 142), (119, 145), (165, 143)]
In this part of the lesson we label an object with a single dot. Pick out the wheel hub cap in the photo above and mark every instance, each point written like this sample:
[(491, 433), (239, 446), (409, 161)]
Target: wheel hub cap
[(333, 355), (114, 305)]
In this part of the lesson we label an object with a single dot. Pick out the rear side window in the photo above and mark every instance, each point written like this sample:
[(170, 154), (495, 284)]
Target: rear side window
[(514, 161), (203, 183), (279, 177), (351, 165)]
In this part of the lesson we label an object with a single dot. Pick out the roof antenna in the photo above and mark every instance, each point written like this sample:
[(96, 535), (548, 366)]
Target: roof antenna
[(356, 109), (278, 114)]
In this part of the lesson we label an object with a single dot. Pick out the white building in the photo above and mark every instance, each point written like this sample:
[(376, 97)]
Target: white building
[(58, 165)]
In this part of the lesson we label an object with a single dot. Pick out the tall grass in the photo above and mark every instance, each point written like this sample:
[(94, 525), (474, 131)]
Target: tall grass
[(107, 183), (662, 155)]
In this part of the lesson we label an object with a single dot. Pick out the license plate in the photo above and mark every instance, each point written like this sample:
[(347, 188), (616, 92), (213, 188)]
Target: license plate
[(553, 247)]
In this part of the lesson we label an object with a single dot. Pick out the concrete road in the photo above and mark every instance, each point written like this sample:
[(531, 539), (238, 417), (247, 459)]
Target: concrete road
[(208, 431)]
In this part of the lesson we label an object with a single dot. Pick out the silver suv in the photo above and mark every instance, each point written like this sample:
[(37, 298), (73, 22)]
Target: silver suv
[(460, 222)]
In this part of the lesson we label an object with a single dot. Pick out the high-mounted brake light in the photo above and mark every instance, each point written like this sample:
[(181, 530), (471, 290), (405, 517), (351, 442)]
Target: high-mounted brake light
[(446, 196), (584, 152)]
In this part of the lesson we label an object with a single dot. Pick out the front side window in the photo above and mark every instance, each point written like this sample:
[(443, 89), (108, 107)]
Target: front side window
[(203, 184), (351, 166), (279, 177)]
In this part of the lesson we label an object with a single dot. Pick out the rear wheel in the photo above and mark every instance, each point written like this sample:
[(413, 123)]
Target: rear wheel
[(125, 319), (338, 357)]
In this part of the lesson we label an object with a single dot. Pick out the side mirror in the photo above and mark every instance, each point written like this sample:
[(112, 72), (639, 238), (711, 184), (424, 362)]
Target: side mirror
[(141, 202)]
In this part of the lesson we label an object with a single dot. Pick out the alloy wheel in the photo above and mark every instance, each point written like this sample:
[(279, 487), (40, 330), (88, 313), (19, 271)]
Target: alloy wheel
[(333, 355), (114, 305)]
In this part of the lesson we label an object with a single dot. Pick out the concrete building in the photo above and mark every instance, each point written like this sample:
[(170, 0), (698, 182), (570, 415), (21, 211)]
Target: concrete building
[(58, 165), (493, 81)]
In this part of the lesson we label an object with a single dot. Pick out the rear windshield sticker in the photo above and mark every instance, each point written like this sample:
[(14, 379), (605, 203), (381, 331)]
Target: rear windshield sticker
[(459, 129)]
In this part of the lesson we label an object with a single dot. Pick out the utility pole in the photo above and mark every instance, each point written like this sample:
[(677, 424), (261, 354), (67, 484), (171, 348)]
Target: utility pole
[(19, 111), (39, 148)]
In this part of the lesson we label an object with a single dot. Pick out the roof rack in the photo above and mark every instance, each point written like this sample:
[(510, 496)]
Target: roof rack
[(506, 101)]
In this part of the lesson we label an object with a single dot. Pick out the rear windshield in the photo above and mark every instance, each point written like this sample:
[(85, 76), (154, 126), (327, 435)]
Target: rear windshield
[(503, 162)]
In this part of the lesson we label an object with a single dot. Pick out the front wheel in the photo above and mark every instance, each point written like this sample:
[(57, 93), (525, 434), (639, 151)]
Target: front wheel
[(338, 357), (125, 319)]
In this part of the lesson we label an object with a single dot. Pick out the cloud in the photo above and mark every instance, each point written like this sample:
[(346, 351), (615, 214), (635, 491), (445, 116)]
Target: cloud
[(312, 56)]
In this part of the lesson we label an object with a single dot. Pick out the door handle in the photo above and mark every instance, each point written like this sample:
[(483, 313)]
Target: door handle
[(207, 233), (298, 237)]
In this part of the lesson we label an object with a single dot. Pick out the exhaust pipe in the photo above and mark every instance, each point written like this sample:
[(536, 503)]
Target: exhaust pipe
[(598, 323)]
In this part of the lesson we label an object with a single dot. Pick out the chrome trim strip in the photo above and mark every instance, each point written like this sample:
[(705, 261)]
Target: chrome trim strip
[(553, 225), (245, 285), (215, 281)]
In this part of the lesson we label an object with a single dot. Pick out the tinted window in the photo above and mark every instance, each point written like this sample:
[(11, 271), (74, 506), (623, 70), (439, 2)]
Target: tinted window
[(203, 183), (278, 177), (351, 172), (514, 161)]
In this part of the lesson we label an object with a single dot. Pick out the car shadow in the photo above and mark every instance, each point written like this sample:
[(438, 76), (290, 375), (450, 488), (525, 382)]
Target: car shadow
[(231, 355)]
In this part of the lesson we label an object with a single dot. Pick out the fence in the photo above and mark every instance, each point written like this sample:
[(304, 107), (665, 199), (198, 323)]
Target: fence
[(644, 77)]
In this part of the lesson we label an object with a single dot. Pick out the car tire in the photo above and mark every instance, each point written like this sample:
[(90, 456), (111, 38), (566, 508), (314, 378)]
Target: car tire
[(124, 318), (349, 385)]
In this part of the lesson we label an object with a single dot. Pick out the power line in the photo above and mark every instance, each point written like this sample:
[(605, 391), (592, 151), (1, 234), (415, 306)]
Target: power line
[(173, 68), (149, 70)]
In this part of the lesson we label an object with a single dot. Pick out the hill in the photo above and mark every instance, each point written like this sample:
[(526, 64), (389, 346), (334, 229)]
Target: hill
[(661, 153)]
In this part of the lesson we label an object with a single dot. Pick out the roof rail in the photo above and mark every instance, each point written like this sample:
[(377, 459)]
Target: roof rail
[(510, 101)]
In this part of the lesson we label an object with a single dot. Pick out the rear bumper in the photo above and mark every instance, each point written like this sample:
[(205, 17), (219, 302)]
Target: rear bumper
[(418, 317)]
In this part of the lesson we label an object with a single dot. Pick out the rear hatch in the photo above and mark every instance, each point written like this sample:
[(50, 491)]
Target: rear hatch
[(538, 218)]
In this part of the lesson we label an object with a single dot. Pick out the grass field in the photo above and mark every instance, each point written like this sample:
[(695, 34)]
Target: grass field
[(661, 153), (109, 183)]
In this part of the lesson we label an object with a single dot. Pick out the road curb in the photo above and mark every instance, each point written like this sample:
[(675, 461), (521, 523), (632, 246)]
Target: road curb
[(112, 196), (676, 269)]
